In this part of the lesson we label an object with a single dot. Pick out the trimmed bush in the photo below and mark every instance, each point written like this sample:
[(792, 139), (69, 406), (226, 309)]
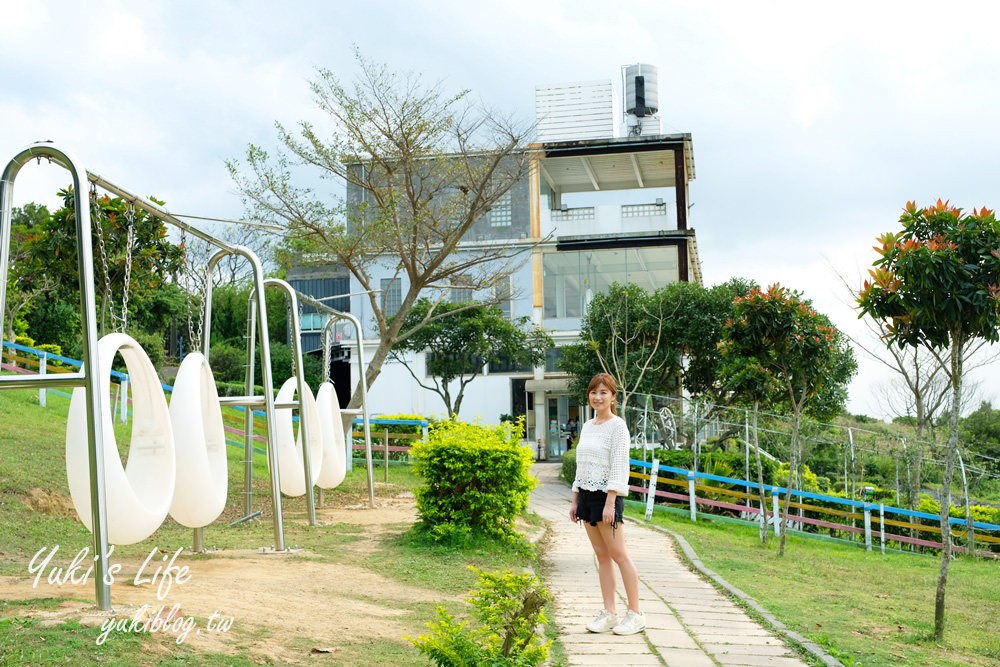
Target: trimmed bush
[(508, 609), (476, 480), (567, 472), (152, 344), (52, 348)]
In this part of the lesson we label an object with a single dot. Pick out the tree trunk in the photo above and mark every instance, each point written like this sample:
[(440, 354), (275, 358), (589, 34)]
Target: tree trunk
[(915, 458), (949, 470), (760, 480), (373, 370), (793, 463)]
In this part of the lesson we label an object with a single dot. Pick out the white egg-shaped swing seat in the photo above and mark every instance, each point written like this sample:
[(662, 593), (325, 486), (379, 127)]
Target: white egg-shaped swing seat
[(138, 494), (334, 444), (200, 444), (289, 445)]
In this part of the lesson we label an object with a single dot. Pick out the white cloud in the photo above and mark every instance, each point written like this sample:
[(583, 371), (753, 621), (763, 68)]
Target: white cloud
[(812, 124)]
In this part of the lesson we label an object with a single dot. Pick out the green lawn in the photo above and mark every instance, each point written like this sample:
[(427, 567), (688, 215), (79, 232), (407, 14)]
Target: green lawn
[(36, 513), (865, 608)]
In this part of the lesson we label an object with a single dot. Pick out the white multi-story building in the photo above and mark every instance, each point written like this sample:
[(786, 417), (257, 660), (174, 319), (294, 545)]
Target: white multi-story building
[(604, 199)]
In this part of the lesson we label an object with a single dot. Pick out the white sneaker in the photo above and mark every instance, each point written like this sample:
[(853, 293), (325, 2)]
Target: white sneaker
[(631, 624), (604, 622)]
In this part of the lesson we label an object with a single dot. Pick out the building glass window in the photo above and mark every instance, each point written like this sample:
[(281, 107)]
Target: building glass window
[(461, 289), (553, 357), (501, 212), (313, 321), (505, 364), (392, 295), (502, 293), (572, 278)]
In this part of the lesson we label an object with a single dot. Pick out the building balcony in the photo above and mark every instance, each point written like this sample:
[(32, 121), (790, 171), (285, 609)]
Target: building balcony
[(609, 219)]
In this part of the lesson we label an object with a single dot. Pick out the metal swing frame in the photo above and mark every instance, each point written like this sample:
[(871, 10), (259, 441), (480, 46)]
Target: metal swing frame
[(87, 377)]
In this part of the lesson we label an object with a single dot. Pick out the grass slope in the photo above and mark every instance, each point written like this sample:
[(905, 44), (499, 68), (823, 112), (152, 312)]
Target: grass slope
[(865, 608), (36, 513)]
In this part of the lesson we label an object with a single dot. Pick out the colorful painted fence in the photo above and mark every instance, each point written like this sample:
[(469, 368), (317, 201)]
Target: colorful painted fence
[(397, 434), (811, 513)]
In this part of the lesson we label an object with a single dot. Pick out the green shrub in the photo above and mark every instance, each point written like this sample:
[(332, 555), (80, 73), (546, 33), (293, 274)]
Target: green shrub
[(397, 430), (236, 389), (20, 327), (228, 362), (152, 344), (675, 458), (567, 472), (52, 348), (476, 478), (508, 609), (809, 481), (982, 513), (281, 366)]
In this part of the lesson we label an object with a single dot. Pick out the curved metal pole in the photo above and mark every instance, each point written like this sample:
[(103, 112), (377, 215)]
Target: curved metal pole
[(853, 491), (362, 373), (159, 212), (336, 314), (89, 376), (970, 525), (248, 410), (300, 378), (265, 368)]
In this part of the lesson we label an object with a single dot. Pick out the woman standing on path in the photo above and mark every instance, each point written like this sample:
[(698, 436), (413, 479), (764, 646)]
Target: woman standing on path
[(598, 491)]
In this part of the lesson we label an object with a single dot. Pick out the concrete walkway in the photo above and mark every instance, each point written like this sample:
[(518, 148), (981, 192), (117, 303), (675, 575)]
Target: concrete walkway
[(689, 623)]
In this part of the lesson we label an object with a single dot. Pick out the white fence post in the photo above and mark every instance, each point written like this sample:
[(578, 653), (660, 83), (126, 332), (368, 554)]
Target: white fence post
[(881, 516), (691, 496), (123, 406), (651, 489), (776, 513), (868, 527), (42, 367)]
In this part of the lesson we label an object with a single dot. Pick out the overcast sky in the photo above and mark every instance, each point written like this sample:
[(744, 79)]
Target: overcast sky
[(812, 123)]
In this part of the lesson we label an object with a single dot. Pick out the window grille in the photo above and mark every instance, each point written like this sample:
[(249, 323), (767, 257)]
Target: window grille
[(570, 214), (501, 213), (461, 290), (502, 292), (643, 210), (392, 296)]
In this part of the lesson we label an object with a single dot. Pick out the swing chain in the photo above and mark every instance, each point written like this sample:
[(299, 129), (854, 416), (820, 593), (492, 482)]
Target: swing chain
[(200, 324), (130, 243), (195, 332), (98, 216)]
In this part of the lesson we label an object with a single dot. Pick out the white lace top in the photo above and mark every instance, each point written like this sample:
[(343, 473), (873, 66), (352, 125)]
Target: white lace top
[(602, 457)]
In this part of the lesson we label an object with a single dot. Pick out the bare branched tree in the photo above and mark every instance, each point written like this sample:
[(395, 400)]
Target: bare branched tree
[(420, 167)]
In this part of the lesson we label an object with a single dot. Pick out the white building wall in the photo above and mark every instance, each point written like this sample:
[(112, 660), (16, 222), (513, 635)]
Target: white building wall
[(575, 111), (395, 391), (361, 305), (609, 219)]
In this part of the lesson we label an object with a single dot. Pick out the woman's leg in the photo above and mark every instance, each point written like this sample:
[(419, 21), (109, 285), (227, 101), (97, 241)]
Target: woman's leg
[(614, 544), (605, 565)]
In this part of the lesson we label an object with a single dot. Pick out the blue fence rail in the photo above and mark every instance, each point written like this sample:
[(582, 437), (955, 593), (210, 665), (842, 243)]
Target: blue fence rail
[(704, 493)]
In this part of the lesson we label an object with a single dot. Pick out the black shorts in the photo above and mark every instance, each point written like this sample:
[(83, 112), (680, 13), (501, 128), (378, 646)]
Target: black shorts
[(590, 507)]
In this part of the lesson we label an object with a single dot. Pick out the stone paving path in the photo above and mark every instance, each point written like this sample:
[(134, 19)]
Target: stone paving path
[(689, 622)]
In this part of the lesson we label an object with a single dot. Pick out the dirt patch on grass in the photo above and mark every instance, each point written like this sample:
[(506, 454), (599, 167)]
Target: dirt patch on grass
[(281, 605), (48, 502)]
